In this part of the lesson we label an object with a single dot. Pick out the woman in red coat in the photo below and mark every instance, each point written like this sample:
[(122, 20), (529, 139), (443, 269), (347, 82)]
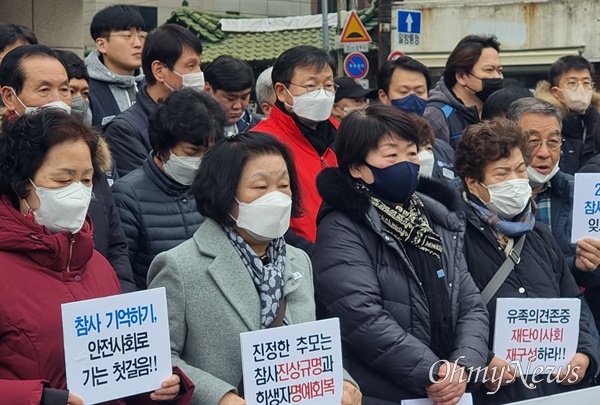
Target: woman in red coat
[(48, 161)]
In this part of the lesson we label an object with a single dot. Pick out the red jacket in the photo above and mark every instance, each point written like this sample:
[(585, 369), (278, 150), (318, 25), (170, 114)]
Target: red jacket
[(33, 285), (308, 165)]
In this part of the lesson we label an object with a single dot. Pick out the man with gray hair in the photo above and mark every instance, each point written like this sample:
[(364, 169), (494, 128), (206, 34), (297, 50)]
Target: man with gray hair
[(552, 188), (265, 93)]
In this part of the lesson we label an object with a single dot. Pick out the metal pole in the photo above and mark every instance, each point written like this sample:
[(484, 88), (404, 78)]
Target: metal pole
[(385, 22), (341, 5), (325, 11)]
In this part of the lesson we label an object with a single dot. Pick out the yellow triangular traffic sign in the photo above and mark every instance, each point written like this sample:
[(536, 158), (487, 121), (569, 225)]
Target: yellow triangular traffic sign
[(354, 31)]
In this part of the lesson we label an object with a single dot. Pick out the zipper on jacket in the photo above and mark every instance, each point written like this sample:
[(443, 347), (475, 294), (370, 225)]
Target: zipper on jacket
[(70, 253), (323, 161)]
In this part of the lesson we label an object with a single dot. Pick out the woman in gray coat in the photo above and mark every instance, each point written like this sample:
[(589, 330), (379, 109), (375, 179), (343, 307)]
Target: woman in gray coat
[(236, 274)]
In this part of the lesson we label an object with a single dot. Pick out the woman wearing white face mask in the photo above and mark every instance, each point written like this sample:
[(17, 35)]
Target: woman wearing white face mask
[(48, 161), (236, 274), (155, 201), (491, 161)]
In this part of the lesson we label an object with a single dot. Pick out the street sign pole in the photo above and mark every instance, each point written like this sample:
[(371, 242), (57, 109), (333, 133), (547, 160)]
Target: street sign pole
[(325, 12)]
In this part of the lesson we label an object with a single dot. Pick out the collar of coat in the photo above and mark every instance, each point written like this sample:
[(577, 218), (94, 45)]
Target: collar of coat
[(339, 193), (543, 92)]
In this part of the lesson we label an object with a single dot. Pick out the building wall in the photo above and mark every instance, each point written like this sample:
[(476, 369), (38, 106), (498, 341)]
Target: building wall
[(518, 24), (56, 23)]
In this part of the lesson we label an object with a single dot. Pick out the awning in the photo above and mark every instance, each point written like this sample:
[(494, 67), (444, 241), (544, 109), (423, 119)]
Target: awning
[(521, 57)]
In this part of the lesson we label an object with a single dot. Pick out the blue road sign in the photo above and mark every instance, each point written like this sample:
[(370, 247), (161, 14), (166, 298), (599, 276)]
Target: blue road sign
[(409, 21), (356, 65)]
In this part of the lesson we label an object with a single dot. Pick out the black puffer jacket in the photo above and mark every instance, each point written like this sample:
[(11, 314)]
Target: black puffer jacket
[(365, 278), (542, 273), (157, 214)]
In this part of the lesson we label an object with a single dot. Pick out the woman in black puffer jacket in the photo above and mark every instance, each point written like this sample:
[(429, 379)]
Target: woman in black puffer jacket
[(389, 263)]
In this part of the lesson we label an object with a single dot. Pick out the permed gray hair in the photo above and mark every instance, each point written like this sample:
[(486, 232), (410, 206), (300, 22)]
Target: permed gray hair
[(265, 92), (532, 105)]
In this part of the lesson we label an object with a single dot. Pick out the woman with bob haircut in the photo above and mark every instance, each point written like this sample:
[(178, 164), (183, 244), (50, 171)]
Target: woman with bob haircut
[(491, 161), (155, 201), (236, 274), (389, 263), (48, 162)]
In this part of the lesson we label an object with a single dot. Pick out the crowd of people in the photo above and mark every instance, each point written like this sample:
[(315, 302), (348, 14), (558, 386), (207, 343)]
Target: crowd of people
[(393, 209)]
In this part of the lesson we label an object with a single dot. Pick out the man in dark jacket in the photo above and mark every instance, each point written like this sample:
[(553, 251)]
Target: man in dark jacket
[(229, 81), (155, 201), (171, 60), (114, 66), (570, 88), (473, 72)]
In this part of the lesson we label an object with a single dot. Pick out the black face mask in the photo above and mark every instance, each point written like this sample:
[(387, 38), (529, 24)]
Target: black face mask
[(488, 87)]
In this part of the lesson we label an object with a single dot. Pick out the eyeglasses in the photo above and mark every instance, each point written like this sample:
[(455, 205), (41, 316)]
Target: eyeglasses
[(551, 144), (573, 84), (310, 88), (130, 38)]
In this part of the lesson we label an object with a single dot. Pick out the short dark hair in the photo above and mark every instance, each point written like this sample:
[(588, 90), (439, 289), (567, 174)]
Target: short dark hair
[(11, 33), (362, 130), (118, 17), (75, 65), (566, 63), (166, 44), (229, 73), (11, 69), (216, 183), (466, 54), (497, 104), (386, 71), (187, 115), (426, 134), (487, 142), (26, 141), (298, 57)]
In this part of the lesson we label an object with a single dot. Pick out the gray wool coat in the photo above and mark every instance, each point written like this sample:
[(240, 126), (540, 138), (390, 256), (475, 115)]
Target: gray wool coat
[(211, 299)]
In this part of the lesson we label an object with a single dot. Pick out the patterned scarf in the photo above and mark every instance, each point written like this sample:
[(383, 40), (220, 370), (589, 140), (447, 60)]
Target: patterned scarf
[(520, 225), (268, 278), (407, 224)]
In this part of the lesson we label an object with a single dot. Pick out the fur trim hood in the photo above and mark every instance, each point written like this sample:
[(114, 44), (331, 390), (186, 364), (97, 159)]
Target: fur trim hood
[(103, 155), (543, 92)]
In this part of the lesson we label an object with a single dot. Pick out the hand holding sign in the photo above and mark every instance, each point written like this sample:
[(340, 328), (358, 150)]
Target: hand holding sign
[(575, 371), (499, 373), (169, 389), (587, 254), (74, 400), (450, 386), (351, 395), (231, 399)]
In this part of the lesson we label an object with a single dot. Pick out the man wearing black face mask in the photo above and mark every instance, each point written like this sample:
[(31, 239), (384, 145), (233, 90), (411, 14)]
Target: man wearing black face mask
[(473, 72)]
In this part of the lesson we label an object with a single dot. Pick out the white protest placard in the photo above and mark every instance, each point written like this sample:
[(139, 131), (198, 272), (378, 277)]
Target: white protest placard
[(294, 364), (586, 207), (117, 346), (466, 399), (537, 332)]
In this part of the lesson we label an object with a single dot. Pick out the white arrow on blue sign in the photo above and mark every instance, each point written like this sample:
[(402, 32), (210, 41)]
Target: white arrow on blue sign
[(409, 21)]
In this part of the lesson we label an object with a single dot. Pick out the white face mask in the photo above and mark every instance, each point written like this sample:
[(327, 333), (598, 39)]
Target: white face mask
[(193, 80), (509, 198), (427, 162), (577, 100), (267, 217), (314, 106), (537, 179), (182, 169), (61, 105), (62, 209)]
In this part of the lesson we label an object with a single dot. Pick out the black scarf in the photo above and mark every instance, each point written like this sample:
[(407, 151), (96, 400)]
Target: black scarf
[(410, 227)]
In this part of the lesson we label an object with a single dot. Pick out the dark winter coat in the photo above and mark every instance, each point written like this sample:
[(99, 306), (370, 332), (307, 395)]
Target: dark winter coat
[(366, 279), (127, 134), (157, 213), (581, 132), (541, 273), (444, 110)]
